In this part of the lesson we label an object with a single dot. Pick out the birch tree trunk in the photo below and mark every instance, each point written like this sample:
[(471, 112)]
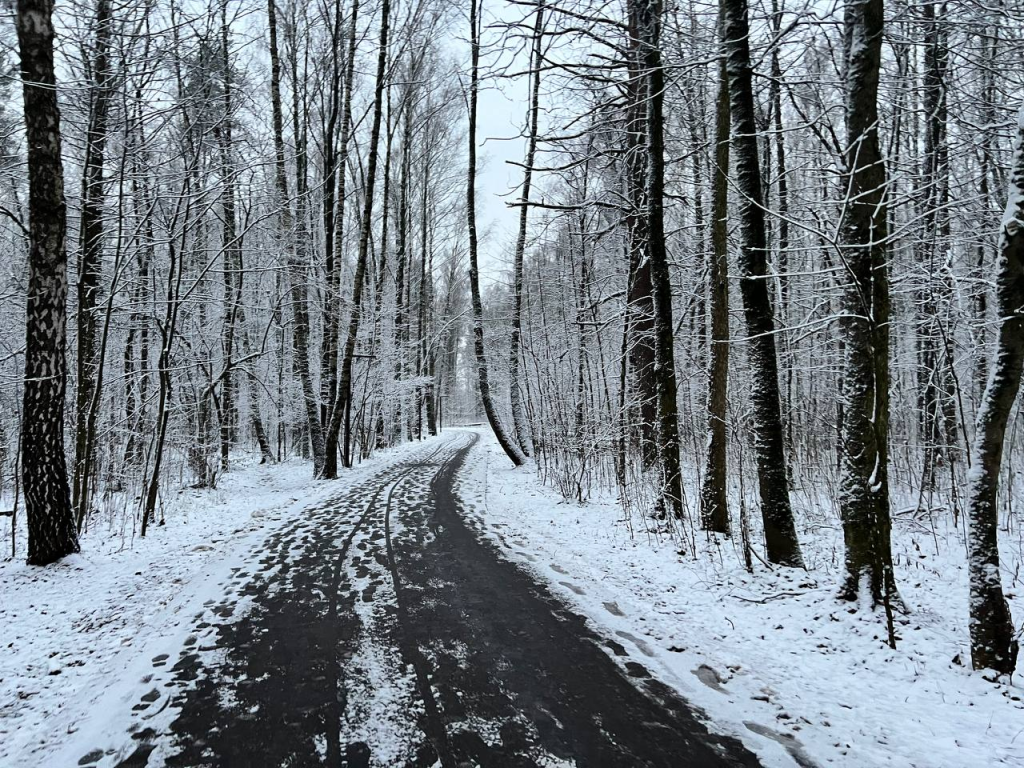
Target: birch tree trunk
[(51, 523)]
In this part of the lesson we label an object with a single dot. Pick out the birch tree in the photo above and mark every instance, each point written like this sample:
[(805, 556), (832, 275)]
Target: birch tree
[(51, 522)]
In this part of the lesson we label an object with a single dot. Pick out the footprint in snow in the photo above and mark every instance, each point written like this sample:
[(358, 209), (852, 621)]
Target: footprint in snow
[(573, 587), (709, 677), (613, 609), (645, 649), (790, 742), (90, 758)]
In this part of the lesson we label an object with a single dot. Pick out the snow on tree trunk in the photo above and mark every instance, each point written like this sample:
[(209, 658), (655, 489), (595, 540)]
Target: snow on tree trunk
[(773, 481), (296, 267), (864, 483), (648, 30), (343, 406), (714, 510), (993, 642)]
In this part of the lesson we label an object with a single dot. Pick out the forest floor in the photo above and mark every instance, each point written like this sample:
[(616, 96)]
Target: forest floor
[(449, 610)]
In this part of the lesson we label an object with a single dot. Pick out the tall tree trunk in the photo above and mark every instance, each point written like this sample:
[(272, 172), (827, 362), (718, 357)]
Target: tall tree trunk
[(933, 295), (993, 641), (648, 22), (990, 48), (343, 405), (782, 239), (773, 481), (232, 253), (51, 522), (714, 511), (864, 483), (403, 276), (297, 269), (329, 173), (429, 347), (515, 347), (90, 264), (134, 451), (422, 364), (639, 319), (512, 450), (334, 424)]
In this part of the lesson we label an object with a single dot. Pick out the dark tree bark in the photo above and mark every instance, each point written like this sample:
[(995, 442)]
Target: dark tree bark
[(993, 641), (51, 522), (90, 264), (648, 29), (782, 239), (329, 174), (773, 480), (639, 322), (515, 347), (935, 395), (507, 444), (343, 405), (334, 320), (403, 276), (714, 510), (990, 54), (425, 292), (297, 271), (232, 254), (864, 483), (258, 428)]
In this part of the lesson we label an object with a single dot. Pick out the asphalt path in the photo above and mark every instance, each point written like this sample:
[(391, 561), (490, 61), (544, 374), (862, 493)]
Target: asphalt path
[(381, 629)]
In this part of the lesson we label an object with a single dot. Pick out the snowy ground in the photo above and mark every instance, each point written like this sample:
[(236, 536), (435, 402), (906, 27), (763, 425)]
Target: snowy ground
[(771, 657), (72, 630)]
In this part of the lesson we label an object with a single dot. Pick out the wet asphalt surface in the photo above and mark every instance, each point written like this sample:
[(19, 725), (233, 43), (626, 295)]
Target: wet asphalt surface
[(382, 629)]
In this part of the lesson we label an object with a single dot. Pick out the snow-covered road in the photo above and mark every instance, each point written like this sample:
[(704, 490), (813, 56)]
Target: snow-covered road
[(379, 628)]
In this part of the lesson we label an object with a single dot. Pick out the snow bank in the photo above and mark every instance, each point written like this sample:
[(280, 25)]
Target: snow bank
[(76, 631), (773, 658)]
